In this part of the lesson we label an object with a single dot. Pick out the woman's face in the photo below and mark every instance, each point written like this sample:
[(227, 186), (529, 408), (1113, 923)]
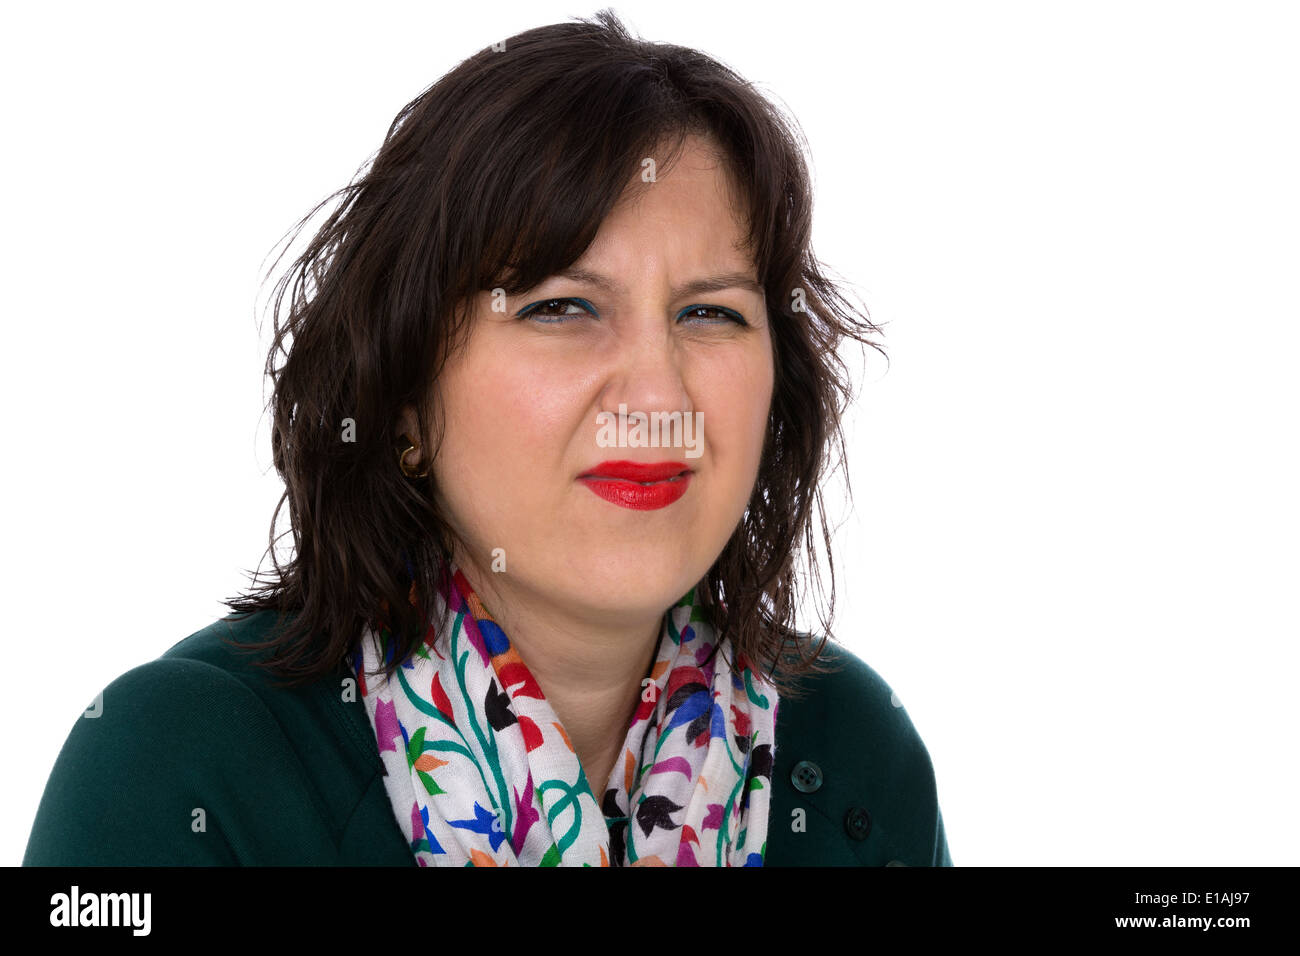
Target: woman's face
[(533, 404)]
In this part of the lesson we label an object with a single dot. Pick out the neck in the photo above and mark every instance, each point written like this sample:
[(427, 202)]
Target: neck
[(590, 670)]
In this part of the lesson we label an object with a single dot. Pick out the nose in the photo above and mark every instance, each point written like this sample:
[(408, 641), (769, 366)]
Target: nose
[(646, 372)]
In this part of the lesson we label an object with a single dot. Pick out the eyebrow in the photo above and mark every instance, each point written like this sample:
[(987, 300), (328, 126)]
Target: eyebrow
[(729, 280)]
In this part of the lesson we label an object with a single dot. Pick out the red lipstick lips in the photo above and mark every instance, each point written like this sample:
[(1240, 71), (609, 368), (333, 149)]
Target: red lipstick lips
[(638, 485)]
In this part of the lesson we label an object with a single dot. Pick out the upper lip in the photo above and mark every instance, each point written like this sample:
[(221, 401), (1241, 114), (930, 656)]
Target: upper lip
[(637, 470)]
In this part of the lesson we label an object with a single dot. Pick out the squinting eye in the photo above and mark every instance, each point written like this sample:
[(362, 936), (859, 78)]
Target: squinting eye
[(548, 312), (724, 315), (543, 312)]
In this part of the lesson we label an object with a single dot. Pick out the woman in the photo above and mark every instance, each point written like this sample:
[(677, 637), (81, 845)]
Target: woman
[(559, 385)]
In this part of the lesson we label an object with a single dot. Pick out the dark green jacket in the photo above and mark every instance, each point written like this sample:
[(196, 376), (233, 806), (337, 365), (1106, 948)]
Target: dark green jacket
[(196, 759)]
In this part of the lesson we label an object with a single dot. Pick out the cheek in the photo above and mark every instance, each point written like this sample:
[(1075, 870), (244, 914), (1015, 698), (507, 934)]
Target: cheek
[(506, 418), (738, 395)]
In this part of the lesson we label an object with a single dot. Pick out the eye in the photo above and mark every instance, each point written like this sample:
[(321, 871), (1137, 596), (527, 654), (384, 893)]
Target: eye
[(723, 315), (548, 312)]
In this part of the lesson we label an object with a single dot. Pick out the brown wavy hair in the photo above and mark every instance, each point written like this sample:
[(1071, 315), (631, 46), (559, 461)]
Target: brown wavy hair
[(498, 176)]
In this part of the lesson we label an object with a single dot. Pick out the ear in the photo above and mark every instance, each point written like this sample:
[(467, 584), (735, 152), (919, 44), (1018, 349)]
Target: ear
[(407, 425)]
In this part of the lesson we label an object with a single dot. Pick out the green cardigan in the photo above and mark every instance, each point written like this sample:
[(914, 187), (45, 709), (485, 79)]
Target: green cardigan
[(196, 759)]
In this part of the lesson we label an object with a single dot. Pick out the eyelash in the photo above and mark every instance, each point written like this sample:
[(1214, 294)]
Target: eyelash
[(531, 311)]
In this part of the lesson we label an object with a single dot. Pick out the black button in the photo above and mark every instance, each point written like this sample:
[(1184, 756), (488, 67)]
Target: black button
[(806, 776), (858, 822)]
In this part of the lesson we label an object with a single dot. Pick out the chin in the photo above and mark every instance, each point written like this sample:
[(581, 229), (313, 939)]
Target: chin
[(641, 581)]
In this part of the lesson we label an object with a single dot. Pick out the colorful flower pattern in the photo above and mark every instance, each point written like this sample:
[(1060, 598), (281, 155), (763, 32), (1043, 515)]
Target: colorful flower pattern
[(480, 772)]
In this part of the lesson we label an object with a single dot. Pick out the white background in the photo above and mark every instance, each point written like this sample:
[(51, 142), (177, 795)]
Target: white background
[(1074, 554)]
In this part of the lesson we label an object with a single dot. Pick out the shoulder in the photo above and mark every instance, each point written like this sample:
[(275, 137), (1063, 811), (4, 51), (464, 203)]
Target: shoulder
[(197, 757), (848, 752), (856, 698)]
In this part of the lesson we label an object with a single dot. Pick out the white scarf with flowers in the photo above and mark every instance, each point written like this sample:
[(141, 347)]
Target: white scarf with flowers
[(480, 772)]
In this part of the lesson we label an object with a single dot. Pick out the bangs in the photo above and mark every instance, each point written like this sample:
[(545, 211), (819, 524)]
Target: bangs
[(525, 191)]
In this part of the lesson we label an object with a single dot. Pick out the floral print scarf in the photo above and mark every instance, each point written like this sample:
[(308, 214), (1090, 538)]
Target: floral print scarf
[(480, 772)]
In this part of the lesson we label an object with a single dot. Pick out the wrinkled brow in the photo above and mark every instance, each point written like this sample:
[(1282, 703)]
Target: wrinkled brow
[(729, 280)]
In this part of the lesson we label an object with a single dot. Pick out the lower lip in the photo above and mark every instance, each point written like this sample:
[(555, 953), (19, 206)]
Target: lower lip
[(639, 497)]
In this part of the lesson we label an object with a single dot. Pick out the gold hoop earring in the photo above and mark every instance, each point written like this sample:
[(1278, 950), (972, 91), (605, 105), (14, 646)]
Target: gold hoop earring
[(401, 459)]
